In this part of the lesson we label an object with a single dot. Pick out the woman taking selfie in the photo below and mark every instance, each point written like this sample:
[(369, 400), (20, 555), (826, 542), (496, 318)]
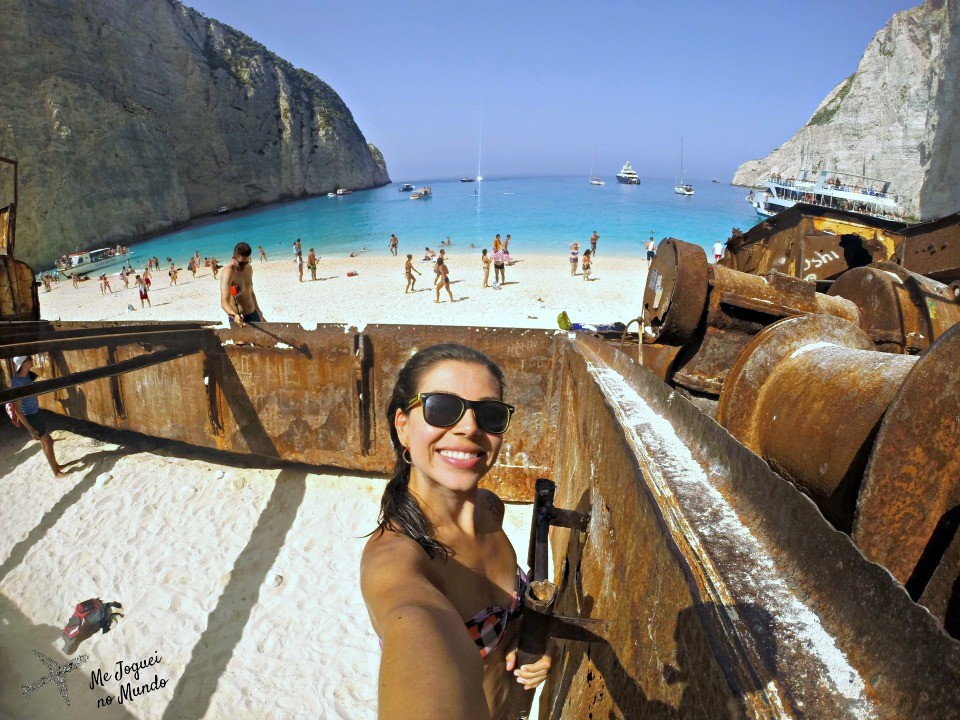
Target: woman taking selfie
[(439, 576)]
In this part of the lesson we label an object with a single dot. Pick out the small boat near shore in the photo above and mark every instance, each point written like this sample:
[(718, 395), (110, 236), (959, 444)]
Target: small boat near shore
[(84, 263), (626, 176), (422, 194), (223, 210), (467, 179), (344, 191), (406, 187), (830, 189)]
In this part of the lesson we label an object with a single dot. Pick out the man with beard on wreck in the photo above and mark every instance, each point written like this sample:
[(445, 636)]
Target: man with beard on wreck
[(439, 575)]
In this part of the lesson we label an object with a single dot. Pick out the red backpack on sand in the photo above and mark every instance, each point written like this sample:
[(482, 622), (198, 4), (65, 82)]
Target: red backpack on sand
[(92, 614)]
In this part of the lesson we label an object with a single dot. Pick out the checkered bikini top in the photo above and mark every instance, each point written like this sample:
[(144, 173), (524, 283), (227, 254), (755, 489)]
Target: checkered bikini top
[(488, 626)]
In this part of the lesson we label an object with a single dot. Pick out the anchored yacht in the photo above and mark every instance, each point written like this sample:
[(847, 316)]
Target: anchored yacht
[(627, 175)]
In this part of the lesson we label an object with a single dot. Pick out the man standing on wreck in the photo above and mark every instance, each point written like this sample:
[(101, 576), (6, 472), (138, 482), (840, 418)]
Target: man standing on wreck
[(439, 575), (237, 297)]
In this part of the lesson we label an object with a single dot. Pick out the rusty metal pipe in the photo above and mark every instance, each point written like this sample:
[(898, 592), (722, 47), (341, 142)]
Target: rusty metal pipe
[(807, 395)]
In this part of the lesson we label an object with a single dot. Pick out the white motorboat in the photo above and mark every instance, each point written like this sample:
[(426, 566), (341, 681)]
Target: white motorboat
[(85, 263), (830, 189), (627, 175)]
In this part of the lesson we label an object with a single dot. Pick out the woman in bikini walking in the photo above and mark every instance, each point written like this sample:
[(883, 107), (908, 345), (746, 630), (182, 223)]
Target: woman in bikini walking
[(439, 576)]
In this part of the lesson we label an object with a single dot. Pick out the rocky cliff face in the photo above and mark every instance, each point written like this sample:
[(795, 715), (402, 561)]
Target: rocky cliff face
[(128, 118), (896, 118)]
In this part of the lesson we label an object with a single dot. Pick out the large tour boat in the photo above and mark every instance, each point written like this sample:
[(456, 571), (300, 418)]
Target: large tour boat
[(627, 175), (831, 189), (85, 263), (422, 194)]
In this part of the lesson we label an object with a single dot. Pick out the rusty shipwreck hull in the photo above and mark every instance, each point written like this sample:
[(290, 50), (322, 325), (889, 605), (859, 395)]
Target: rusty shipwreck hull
[(726, 593), (818, 244)]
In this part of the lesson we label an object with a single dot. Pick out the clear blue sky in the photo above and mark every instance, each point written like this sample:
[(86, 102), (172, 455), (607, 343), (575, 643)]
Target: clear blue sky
[(551, 80)]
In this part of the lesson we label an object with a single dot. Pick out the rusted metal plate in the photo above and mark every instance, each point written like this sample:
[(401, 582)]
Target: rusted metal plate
[(913, 478), (933, 249), (697, 624), (675, 296), (806, 395), (941, 596)]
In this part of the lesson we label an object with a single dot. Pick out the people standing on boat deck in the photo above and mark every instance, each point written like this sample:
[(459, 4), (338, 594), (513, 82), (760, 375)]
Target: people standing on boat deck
[(586, 264), (446, 420), (593, 243), (499, 267), (237, 297), (312, 264), (487, 261), (651, 249), (393, 244), (409, 270), (441, 269), (263, 254), (28, 413), (574, 257), (717, 251), (436, 266), (144, 287)]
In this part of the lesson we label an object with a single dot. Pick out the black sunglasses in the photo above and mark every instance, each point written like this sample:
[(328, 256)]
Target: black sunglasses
[(243, 263), (445, 410)]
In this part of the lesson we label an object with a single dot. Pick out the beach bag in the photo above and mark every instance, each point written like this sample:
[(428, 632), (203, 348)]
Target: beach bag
[(90, 613), (13, 415)]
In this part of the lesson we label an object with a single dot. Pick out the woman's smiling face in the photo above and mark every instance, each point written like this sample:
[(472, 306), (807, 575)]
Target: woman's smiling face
[(456, 457)]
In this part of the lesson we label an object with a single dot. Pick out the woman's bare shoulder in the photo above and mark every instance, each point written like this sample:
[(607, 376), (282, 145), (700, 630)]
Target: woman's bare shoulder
[(491, 506)]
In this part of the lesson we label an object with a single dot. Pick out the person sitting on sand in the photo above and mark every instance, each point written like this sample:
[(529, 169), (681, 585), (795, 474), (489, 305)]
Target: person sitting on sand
[(439, 553), (409, 270), (430, 254), (443, 279), (28, 413), (237, 297), (586, 264)]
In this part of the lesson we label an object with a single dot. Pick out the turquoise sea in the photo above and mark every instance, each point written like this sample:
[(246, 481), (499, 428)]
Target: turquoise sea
[(543, 215)]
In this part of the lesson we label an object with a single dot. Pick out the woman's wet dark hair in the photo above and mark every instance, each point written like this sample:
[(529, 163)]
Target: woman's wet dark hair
[(399, 509)]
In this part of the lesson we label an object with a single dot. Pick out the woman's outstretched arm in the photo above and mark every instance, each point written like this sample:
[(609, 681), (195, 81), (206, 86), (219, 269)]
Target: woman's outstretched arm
[(429, 668)]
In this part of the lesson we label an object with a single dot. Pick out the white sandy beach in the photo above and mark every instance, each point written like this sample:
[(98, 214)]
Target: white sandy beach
[(243, 580), (537, 288)]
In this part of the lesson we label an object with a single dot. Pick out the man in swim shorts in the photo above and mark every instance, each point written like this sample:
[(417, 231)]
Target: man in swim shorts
[(237, 297)]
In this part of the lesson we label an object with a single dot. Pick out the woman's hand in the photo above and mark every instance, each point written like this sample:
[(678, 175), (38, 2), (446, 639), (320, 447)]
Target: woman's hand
[(532, 674)]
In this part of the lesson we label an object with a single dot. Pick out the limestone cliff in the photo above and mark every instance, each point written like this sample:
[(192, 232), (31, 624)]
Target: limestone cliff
[(896, 118), (128, 118)]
